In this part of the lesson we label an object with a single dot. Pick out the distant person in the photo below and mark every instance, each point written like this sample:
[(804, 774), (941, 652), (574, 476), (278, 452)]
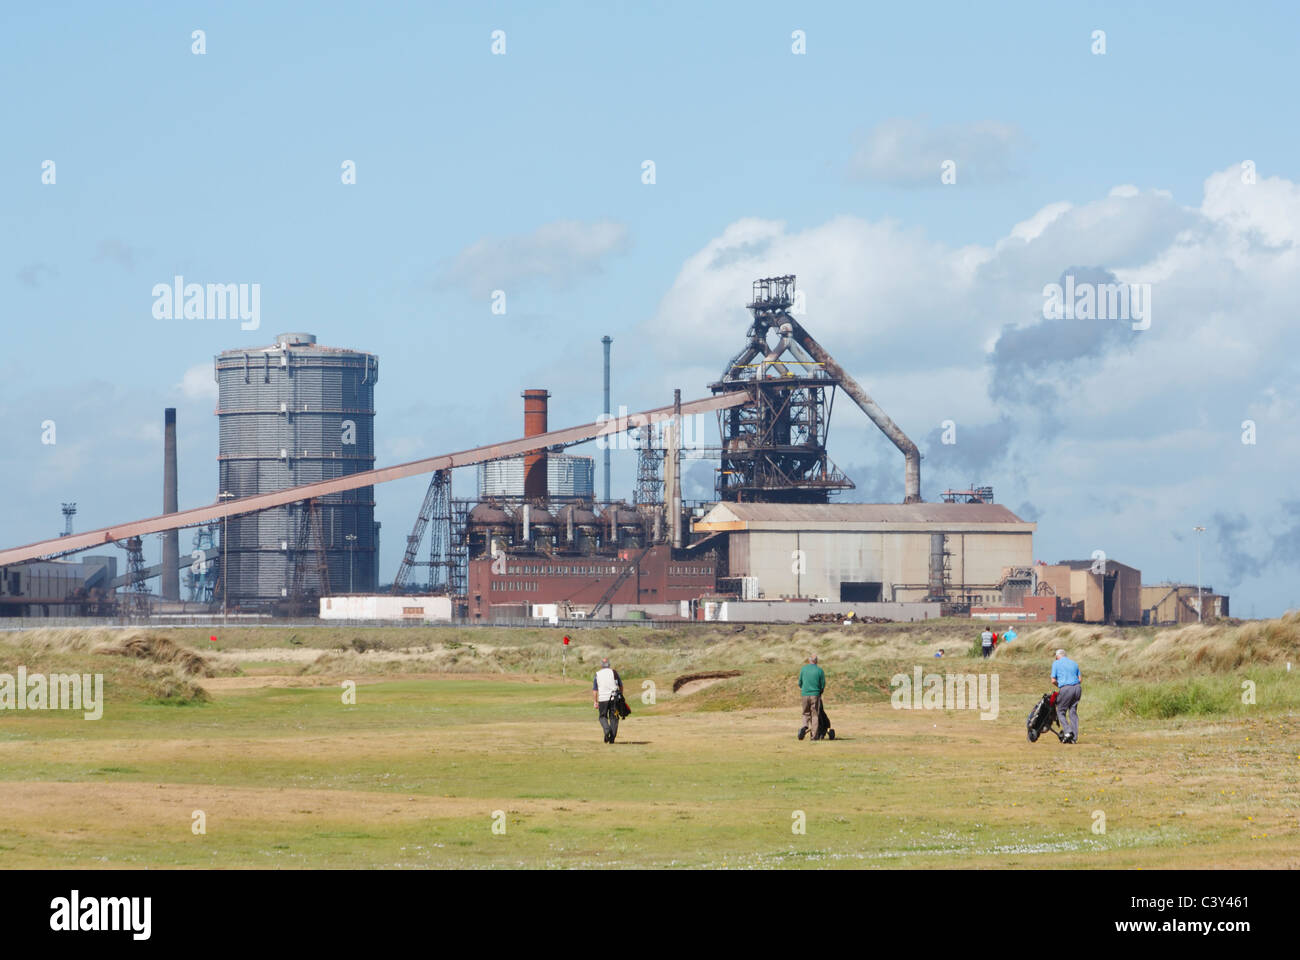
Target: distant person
[(812, 684), (604, 687), (1009, 635), (1065, 677), (939, 655), (986, 642)]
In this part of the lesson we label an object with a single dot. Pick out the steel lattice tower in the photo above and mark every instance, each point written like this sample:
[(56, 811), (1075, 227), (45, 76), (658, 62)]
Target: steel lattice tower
[(774, 448), (649, 468)]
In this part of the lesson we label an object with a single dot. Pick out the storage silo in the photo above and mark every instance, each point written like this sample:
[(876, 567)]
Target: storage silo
[(294, 413), (568, 477)]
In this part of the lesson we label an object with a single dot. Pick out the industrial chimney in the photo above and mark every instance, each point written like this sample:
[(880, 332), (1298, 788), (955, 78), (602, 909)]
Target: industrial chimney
[(606, 341), (535, 486), (171, 572)]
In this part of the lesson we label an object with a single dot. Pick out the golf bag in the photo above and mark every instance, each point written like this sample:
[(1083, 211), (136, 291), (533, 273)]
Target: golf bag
[(1043, 718), (620, 704), (824, 728)]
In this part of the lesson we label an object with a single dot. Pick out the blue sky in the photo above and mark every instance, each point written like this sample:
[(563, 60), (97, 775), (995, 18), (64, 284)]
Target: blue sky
[(523, 172)]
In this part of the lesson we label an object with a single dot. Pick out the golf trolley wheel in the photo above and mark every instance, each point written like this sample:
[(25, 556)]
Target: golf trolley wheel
[(1033, 735)]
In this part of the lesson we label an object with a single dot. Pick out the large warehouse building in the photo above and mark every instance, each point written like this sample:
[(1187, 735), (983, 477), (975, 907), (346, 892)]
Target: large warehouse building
[(865, 552)]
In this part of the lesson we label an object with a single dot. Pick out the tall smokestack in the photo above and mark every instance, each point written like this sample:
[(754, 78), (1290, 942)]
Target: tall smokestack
[(606, 341), (535, 463), (171, 570)]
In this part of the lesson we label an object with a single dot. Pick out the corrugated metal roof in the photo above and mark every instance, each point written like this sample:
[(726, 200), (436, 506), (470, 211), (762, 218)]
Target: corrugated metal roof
[(1089, 564), (865, 512)]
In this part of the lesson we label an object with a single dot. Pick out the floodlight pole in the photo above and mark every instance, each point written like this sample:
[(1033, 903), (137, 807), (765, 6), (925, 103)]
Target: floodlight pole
[(225, 554), (1199, 602), (351, 538)]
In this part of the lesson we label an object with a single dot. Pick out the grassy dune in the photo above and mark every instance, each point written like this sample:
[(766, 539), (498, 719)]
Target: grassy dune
[(455, 731)]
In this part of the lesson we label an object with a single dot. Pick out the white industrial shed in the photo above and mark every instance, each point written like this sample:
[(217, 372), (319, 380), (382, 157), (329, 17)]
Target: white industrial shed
[(863, 552)]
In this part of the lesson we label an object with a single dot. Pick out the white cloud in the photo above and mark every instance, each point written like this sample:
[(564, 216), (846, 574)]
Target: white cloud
[(559, 252), (1268, 209), (198, 383), (1032, 229), (907, 152)]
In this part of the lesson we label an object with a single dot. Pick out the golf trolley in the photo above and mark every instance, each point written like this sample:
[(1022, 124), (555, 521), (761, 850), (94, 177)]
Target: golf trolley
[(1043, 718)]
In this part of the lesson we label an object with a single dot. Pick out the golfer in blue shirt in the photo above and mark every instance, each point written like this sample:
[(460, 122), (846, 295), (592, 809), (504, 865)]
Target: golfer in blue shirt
[(1065, 677)]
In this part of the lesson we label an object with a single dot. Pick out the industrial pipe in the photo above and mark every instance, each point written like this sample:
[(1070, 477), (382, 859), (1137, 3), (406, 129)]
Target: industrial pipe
[(773, 356), (911, 455), (675, 453), (606, 341), (171, 575)]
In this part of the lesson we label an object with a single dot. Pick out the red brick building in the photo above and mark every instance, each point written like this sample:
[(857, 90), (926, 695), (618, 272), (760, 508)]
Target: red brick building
[(582, 580)]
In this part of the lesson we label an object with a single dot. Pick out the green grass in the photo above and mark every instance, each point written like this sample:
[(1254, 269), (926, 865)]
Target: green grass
[(415, 771)]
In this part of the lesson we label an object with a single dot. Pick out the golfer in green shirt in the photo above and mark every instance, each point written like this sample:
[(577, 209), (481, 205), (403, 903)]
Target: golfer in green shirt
[(812, 683)]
